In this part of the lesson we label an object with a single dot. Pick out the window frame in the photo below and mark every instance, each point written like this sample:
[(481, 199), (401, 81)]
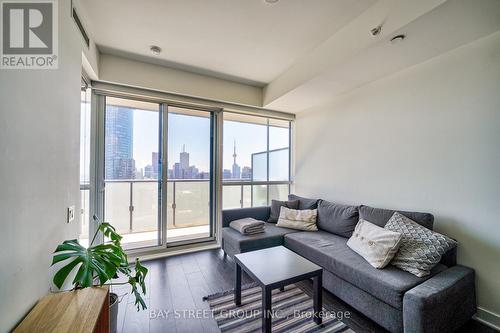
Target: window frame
[(101, 90), (249, 182)]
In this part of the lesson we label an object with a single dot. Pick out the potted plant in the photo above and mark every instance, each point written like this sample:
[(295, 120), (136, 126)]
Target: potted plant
[(98, 265)]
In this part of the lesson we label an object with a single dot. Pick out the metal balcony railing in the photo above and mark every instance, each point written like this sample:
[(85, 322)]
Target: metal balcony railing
[(131, 206)]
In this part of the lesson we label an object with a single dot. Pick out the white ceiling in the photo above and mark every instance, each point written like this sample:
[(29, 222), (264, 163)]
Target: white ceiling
[(302, 52), (352, 58), (250, 41)]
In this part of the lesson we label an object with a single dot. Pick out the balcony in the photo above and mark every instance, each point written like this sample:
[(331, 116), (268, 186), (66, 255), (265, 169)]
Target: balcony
[(131, 206)]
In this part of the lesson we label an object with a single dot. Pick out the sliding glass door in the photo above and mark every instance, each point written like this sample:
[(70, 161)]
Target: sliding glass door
[(132, 197), (151, 205), (189, 179)]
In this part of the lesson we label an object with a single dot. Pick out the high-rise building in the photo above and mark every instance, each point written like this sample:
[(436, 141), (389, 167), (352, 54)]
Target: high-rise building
[(236, 172), (148, 172), (226, 174), (246, 173), (119, 162), (178, 172), (184, 158), (155, 164)]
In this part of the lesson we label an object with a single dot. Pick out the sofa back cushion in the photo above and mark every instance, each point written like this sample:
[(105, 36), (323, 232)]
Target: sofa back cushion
[(304, 203), (380, 216), (336, 218), (276, 207)]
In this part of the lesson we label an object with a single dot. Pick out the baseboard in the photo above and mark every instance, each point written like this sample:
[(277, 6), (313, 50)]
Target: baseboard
[(488, 318), (152, 256)]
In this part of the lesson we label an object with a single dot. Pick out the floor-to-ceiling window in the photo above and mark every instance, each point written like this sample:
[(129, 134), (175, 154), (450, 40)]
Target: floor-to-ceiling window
[(83, 234), (256, 160), (157, 172), (155, 167)]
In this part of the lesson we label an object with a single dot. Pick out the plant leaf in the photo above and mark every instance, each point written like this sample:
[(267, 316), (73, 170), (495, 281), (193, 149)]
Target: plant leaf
[(63, 273)]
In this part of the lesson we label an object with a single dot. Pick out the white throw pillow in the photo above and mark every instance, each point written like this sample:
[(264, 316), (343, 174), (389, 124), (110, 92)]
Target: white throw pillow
[(375, 244), (298, 219)]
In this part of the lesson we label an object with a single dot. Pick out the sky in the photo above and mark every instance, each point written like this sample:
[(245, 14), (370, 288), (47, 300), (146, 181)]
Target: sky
[(194, 132)]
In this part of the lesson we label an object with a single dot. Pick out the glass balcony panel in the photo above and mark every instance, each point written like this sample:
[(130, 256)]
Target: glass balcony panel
[(145, 201), (231, 196), (259, 195), (117, 203), (192, 210), (279, 165), (259, 166), (247, 196), (278, 192)]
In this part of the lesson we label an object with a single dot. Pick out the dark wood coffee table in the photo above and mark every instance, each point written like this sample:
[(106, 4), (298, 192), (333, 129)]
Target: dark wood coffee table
[(274, 268)]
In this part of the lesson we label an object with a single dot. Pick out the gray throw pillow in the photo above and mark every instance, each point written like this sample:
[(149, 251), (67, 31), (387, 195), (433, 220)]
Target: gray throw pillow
[(336, 218), (276, 207), (420, 249), (304, 203)]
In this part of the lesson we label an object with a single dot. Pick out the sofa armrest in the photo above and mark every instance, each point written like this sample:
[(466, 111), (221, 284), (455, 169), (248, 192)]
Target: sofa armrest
[(258, 213), (443, 303)]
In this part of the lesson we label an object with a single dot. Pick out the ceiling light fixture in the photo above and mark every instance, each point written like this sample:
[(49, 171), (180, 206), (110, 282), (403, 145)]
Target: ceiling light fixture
[(271, 1), (377, 30), (156, 50), (398, 38)]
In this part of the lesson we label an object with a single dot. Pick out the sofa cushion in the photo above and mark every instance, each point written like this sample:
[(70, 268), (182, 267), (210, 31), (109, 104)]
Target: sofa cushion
[(336, 218), (332, 253), (421, 249), (276, 208), (272, 236), (377, 245), (304, 219), (380, 216), (304, 203)]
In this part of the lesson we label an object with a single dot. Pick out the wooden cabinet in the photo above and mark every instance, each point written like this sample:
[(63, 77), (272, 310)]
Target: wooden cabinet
[(79, 311)]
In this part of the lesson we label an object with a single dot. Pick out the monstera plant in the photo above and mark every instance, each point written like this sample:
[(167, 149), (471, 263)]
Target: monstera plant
[(100, 264)]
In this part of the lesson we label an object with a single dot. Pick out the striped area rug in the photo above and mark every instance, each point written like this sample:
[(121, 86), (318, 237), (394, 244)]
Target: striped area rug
[(292, 312)]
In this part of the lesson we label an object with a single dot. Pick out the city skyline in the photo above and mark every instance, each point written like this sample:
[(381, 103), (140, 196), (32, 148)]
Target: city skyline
[(132, 141)]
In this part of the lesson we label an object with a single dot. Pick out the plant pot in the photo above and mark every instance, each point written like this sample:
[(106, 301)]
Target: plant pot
[(113, 312)]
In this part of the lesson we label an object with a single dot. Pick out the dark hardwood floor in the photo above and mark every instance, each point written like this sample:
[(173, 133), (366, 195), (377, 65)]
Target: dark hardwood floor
[(176, 286)]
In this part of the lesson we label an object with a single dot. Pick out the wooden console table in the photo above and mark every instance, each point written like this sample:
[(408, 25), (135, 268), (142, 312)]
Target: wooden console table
[(80, 311)]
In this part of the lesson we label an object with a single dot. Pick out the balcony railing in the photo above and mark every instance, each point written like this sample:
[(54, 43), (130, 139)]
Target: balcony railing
[(131, 206)]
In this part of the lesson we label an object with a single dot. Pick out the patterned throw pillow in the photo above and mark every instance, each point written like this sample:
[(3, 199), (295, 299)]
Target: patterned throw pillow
[(298, 219), (420, 249)]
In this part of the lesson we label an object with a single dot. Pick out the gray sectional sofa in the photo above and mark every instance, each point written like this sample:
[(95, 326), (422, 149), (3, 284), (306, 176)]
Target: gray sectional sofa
[(395, 299)]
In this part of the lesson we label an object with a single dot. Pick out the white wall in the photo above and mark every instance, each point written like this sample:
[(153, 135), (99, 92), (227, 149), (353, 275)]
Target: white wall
[(426, 139), (140, 74), (39, 177), (90, 54)]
